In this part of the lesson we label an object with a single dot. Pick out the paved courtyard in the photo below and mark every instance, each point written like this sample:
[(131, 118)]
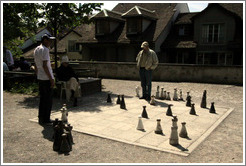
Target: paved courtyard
[(218, 138)]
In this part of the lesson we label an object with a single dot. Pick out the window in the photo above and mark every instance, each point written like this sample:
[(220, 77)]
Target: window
[(181, 31), (134, 25), (213, 33), (102, 27), (73, 46), (221, 58)]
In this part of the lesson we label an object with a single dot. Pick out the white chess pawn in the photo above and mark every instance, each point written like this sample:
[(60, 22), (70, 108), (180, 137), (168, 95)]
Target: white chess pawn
[(137, 91), (152, 101), (64, 113)]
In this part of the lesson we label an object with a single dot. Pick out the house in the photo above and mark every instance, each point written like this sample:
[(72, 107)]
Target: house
[(211, 37), (116, 35)]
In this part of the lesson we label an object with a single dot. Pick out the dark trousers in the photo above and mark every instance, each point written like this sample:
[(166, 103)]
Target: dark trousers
[(146, 78), (45, 103)]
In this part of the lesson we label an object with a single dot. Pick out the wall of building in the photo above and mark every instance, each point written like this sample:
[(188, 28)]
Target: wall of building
[(72, 36), (169, 72)]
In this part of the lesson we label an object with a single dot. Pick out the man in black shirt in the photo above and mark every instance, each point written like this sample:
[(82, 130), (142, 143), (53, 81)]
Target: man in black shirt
[(67, 74)]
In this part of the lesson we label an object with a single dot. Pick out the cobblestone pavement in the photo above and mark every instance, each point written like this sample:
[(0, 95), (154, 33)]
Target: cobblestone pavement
[(28, 142)]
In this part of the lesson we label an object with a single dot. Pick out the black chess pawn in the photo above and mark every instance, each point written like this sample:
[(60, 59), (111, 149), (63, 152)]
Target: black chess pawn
[(188, 94), (169, 111), (65, 148), (204, 103), (212, 109), (109, 99), (118, 100), (58, 131), (188, 101), (122, 104), (192, 110), (144, 113), (168, 96)]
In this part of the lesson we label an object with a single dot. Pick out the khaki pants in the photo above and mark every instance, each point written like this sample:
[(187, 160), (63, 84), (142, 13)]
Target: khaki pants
[(73, 84)]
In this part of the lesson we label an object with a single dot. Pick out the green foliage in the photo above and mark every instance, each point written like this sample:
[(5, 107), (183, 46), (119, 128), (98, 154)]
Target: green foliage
[(25, 88)]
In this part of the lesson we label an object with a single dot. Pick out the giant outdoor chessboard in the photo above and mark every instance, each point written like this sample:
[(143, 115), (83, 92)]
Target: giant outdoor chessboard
[(109, 121)]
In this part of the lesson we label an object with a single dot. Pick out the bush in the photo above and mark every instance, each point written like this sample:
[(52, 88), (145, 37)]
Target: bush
[(25, 88)]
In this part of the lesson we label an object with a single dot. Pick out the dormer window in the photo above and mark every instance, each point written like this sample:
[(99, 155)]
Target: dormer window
[(134, 25), (102, 27)]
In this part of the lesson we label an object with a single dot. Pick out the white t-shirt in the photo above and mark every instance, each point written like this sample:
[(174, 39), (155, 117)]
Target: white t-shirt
[(41, 53)]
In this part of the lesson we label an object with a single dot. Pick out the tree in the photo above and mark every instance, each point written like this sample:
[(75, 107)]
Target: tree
[(66, 15), (20, 20)]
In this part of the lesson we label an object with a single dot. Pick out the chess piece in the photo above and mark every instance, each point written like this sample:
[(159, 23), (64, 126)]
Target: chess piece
[(204, 96), (109, 99), (188, 101), (152, 101), (174, 139), (157, 96), (69, 129), (144, 113), (118, 100), (57, 138), (54, 124), (212, 109), (158, 129), (137, 91), (188, 94), (69, 141), (162, 94), (64, 144), (175, 95), (192, 110), (165, 95), (64, 113), (180, 95), (183, 131), (140, 124), (122, 103), (168, 96), (169, 111)]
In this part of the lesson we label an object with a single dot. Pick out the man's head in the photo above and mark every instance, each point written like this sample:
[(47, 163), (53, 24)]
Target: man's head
[(145, 46), (46, 39), (65, 61)]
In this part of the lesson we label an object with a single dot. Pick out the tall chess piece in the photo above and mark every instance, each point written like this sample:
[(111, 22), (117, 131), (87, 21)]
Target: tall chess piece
[(169, 111), (118, 100), (168, 96), (180, 95), (65, 145), (157, 96), (69, 141), (58, 131), (165, 95), (152, 101), (69, 129), (64, 113), (183, 131), (122, 104), (188, 94), (174, 139), (188, 101), (137, 91), (158, 129), (175, 95), (109, 99), (162, 94), (192, 110), (204, 97), (212, 109), (140, 124), (144, 113)]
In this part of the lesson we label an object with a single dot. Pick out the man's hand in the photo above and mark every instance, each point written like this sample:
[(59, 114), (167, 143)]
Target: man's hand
[(52, 83)]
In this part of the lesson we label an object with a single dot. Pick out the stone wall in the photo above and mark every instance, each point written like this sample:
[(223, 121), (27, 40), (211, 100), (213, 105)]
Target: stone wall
[(168, 72)]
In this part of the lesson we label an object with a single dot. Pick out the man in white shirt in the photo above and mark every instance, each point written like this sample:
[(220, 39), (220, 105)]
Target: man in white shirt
[(8, 58), (45, 78)]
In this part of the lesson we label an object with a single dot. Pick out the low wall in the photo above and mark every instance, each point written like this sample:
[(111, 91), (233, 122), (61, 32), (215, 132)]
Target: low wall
[(169, 72)]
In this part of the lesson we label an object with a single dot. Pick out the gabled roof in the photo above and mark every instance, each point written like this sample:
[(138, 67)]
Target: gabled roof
[(235, 9), (185, 18), (163, 11), (107, 14), (139, 11)]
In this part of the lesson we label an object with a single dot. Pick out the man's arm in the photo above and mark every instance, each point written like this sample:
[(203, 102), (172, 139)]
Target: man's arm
[(46, 70), (155, 61), (35, 69)]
